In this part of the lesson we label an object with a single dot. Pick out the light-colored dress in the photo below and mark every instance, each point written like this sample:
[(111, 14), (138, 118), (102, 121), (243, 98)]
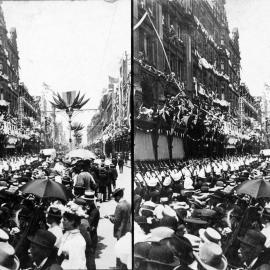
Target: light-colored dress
[(74, 245)]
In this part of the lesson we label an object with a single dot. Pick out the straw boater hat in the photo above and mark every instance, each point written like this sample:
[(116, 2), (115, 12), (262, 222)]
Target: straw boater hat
[(210, 257), (89, 195), (210, 235)]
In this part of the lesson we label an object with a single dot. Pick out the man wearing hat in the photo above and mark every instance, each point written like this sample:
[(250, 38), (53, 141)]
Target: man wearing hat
[(121, 218), (252, 251), (85, 178), (122, 214), (93, 220), (42, 252)]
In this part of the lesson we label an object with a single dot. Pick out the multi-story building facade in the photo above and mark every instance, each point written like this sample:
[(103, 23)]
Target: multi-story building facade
[(18, 110), (9, 66), (200, 50), (184, 47), (110, 126)]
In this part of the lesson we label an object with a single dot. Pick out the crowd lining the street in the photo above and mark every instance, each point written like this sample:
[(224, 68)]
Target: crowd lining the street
[(202, 214), (58, 228)]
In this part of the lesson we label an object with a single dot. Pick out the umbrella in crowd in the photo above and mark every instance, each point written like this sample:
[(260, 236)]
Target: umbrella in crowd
[(81, 153), (258, 188), (45, 188)]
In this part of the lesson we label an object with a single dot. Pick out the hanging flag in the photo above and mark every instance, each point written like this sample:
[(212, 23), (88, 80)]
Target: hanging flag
[(69, 97)]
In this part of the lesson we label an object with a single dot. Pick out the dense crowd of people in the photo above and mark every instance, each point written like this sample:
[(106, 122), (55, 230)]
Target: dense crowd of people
[(189, 215), (53, 232)]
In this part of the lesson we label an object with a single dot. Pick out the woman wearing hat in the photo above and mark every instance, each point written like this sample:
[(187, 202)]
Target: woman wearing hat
[(53, 220), (73, 246)]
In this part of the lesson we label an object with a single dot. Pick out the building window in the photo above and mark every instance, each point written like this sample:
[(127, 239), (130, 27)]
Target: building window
[(222, 65), (154, 52), (142, 4), (222, 41)]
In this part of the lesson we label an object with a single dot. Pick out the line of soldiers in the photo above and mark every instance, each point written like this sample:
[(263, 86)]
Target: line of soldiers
[(188, 216)]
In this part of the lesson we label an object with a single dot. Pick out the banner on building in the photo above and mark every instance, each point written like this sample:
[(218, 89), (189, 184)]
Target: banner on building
[(69, 97)]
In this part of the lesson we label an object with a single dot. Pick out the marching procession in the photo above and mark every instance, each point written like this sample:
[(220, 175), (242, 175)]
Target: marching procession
[(202, 214), (49, 212)]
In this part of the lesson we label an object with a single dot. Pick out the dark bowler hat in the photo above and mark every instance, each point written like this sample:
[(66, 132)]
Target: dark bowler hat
[(8, 259), (43, 238), (195, 221), (116, 192), (253, 238), (141, 250), (160, 254)]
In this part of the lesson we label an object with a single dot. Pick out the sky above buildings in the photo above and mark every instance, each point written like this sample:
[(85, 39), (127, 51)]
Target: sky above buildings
[(252, 19), (70, 45)]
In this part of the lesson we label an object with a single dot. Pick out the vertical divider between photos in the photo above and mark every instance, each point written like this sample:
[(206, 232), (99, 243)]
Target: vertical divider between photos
[(132, 135)]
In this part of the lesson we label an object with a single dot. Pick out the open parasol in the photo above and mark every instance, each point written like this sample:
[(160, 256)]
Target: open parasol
[(45, 188), (81, 153), (258, 188)]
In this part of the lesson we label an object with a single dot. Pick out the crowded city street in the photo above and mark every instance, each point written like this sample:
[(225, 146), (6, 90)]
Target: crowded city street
[(65, 148), (201, 135)]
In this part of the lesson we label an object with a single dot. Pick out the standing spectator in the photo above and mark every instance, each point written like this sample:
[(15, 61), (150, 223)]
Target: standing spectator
[(73, 246), (114, 175), (103, 178), (122, 214), (85, 179), (121, 218), (42, 251), (121, 163), (93, 220)]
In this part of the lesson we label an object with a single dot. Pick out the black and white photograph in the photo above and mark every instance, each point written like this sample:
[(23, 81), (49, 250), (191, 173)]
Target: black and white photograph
[(201, 89), (65, 129)]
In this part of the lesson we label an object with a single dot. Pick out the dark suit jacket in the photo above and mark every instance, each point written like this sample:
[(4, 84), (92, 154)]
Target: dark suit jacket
[(122, 219), (263, 262), (51, 264)]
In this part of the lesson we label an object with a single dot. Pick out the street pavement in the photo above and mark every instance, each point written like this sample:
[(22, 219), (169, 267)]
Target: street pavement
[(105, 255)]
